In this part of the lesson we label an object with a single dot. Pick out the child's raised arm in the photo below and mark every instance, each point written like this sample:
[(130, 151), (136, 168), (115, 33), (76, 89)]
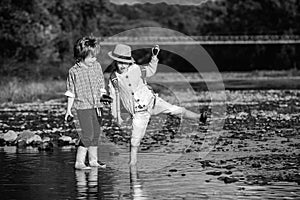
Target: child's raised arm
[(152, 66)]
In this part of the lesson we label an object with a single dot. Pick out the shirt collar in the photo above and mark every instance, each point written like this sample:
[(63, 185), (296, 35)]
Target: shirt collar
[(82, 65)]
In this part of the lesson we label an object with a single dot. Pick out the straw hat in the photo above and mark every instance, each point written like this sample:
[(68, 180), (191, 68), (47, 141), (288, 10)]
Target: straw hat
[(121, 53)]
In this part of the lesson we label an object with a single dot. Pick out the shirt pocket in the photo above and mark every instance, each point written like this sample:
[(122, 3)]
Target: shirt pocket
[(142, 99)]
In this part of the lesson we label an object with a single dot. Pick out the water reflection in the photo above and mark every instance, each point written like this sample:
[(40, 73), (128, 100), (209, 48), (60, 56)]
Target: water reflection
[(31, 175), (89, 187), (136, 184), (87, 184)]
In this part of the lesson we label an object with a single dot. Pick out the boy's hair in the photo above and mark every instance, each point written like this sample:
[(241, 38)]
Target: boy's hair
[(84, 47), (114, 65)]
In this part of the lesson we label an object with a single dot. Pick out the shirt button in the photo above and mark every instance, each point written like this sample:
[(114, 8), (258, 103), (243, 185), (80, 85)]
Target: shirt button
[(129, 84), (132, 93), (126, 76)]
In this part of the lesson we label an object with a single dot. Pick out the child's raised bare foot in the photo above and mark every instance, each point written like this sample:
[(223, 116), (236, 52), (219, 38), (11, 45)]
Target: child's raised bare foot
[(203, 117)]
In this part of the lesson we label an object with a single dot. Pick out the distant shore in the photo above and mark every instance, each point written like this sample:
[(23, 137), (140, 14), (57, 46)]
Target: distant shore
[(15, 90)]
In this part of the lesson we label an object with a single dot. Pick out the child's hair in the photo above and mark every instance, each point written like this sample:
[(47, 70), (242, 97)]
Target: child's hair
[(84, 47), (114, 65)]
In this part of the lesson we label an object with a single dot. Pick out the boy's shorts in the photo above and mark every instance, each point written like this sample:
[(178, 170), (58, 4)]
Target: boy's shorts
[(140, 119), (161, 106), (90, 127)]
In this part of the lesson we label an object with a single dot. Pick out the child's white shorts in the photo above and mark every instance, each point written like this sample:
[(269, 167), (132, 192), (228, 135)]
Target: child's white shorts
[(140, 119)]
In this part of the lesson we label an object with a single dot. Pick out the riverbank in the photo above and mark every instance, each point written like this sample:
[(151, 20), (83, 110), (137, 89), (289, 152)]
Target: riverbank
[(15, 90)]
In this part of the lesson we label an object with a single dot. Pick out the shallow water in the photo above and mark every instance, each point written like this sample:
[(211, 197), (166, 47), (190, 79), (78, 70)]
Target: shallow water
[(258, 145), (30, 174)]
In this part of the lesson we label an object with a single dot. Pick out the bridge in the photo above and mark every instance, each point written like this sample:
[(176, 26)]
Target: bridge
[(203, 40)]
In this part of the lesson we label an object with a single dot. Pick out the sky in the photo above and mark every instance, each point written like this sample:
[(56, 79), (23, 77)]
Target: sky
[(180, 2)]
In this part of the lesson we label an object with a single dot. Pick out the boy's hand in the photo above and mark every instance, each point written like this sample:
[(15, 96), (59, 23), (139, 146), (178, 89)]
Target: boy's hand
[(203, 117), (69, 116), (120, 121), (105, 99), (155, 50)]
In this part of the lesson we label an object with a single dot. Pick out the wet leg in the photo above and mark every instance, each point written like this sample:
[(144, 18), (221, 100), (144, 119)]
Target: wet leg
[(133, 155), (139, 125)]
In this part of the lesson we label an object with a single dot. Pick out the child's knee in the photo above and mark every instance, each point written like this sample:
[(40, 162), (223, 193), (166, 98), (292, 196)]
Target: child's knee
[(89, 141)]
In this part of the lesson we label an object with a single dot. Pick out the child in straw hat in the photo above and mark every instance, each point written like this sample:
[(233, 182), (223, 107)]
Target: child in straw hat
[(126, 83)]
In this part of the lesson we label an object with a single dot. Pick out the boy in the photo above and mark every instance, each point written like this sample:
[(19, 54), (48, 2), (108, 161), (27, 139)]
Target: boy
[(85, 87), (127, 84)]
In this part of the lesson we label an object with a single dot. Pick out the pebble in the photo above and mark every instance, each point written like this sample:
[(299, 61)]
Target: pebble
[(46, 139), (227, 179), (64, 140), (229, 166), (214, 173), (256, 165), (2, 142), (21, 144), (36, 139), (46, 146)]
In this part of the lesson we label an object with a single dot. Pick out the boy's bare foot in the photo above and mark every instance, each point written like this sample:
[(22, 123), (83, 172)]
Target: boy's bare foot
[(203, 117)]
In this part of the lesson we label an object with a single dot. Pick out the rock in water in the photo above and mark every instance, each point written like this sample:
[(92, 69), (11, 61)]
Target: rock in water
[(36, 139), (46, 146), (23, 136), (46, 139), (227, 179), (10, 136), (2, 142), (21, 144), (214, 173), (64, 140)]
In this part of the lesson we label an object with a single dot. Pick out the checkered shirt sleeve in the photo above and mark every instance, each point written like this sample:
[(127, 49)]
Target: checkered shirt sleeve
[(70, 85)]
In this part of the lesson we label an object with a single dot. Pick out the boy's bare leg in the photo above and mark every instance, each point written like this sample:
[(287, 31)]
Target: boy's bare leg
[(139, 126), (190, 115), (133, 155)]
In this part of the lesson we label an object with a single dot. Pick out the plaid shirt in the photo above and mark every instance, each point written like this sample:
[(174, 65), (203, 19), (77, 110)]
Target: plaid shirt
[(86, 85)]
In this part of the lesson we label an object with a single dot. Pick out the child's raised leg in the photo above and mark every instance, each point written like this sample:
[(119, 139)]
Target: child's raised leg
[(189, 114)]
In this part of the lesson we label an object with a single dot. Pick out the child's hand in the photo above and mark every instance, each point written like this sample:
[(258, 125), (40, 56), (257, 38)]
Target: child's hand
[(69, 116), (155, 50), (120, 121), (105, 99), (203, 117)]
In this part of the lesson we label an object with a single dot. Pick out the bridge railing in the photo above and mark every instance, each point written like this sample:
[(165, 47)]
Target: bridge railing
[(203, 40)]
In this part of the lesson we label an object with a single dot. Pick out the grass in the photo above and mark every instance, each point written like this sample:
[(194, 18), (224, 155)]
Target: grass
[(18, 91)]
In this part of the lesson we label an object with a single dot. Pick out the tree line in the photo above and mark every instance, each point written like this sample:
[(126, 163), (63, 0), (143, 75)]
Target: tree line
[(37, 36)]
